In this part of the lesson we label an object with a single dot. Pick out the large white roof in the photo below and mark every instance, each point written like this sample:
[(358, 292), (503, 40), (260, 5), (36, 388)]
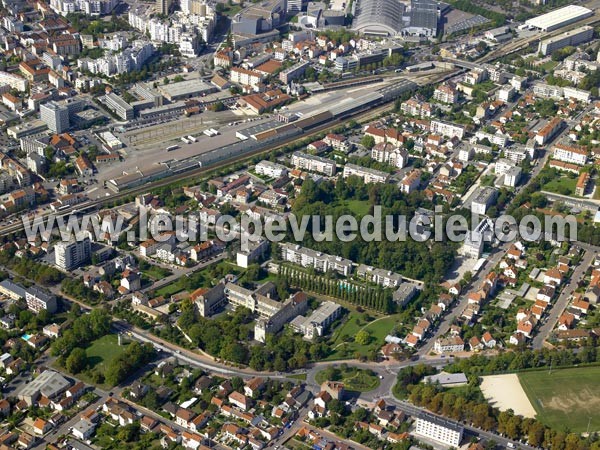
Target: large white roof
[(553, 19)]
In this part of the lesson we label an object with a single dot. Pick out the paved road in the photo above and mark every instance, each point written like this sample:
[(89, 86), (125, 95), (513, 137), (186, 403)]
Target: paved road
[(563, 299)]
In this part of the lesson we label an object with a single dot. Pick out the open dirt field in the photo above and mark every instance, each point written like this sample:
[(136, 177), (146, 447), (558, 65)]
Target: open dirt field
[(505, 392)]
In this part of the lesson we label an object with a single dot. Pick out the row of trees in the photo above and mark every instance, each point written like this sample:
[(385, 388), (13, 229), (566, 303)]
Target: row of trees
[(428, 262), (375, 298), (481, 415), (469, 406), (526, 359)]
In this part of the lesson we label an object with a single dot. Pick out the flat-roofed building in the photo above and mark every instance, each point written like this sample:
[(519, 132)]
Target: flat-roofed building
[(38, 299), (119, 106), (568, 38), (317, 323), (321, 262), (439, 429), (313, 163), (49, 384), (559, 18), (368, 175)]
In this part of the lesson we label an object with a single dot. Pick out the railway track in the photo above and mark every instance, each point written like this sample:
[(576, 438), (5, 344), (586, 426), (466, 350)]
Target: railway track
[(526, 42), (359, 116)]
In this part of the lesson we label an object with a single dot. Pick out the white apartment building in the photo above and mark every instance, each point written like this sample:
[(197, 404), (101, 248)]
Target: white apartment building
[(570, 154), (438, 429), (270, 169), (512, 176), (411, 181), (446, 129), (387, 153), (385, 278), (313, 163), (317, 323), (14, 81), (485, 198), (321, 262), (245, 77), (449, 345), (548, 131), (506, 93), (38, 299), (501, 140), (368, 175), (503, 165), (516, 155), (445, 94), (416, 108), (70, 255)]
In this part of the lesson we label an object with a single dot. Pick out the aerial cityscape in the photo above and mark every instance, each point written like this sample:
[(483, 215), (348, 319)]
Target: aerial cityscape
[(291, 224)]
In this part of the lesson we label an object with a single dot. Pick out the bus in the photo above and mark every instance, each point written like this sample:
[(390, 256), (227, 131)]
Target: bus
[(184, 139), (172, 147)]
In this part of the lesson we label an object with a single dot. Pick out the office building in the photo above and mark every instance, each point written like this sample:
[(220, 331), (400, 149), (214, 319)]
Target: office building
[(70, 255)]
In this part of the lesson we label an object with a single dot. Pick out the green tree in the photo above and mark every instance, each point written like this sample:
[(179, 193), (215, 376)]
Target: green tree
[(76, 361), (368, 142), (362, 337)]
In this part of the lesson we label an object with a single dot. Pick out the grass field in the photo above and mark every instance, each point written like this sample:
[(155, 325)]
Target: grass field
[(342, 341), (354, 379), (564, 185), (102, 351), (358, 207), (567, 398)]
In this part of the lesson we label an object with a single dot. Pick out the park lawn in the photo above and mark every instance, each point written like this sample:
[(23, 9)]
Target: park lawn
[(378, 329), (170, 289), (103, 351), (358, 207), (354, 379), (561, 185), (565, 398), (157, 272)]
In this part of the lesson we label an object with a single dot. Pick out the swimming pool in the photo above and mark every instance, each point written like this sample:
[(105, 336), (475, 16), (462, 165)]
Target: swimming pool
[(26, 337)]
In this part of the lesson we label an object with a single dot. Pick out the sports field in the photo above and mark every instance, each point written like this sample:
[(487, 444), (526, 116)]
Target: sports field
[(565, 398)]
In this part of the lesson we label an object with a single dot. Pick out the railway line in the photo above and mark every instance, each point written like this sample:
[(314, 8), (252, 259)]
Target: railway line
[(520, 44), (364, 115)]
